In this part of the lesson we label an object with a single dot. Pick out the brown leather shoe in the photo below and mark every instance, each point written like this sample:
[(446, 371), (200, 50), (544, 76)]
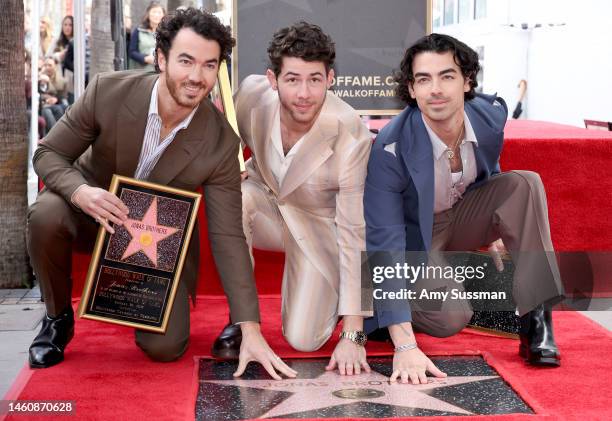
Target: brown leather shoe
[(227, 344)]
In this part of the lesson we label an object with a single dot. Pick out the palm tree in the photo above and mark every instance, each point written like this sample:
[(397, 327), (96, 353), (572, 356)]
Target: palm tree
[(13, 148), (102, 45)]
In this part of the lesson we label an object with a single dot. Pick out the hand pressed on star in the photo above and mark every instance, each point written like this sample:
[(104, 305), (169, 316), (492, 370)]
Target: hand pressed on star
[(255, 348), (411, 367), (349, 358)]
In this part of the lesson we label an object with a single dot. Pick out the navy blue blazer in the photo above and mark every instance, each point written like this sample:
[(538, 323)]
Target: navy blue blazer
[(399, 190)]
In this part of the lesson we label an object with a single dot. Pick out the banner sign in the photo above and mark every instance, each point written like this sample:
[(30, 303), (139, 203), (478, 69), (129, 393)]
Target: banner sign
[(371, 38)]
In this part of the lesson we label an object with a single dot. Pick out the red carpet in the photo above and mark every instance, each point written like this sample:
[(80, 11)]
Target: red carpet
[(109, 378), (575, 167)]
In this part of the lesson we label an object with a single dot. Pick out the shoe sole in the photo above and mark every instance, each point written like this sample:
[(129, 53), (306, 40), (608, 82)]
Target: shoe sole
[(543, 361)]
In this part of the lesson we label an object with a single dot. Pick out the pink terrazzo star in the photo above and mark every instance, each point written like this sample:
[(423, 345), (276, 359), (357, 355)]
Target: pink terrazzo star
[(146, 233), (317, 393)]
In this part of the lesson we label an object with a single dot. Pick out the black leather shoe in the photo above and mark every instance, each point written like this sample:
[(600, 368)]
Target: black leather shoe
[(48, 346), (227, 344), (538, 345)]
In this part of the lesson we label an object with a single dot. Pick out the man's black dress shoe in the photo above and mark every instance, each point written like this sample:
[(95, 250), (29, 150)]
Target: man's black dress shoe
[(537, 341), (227, 344), (47, 349)]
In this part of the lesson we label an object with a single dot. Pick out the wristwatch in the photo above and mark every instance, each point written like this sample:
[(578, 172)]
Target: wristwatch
[(357, 336)]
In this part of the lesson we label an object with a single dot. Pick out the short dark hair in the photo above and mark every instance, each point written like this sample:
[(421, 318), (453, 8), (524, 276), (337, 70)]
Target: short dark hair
[(301, 40), (465, 57), (201, 22)]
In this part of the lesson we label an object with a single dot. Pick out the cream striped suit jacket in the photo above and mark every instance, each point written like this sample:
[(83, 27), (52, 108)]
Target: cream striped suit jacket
[(321, 197)]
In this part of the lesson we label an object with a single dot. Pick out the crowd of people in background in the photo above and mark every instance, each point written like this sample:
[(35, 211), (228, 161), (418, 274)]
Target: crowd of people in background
[(55, 60), (55, 65)]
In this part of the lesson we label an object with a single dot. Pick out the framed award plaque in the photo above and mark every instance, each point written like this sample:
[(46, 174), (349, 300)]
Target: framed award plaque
[(134, 273)]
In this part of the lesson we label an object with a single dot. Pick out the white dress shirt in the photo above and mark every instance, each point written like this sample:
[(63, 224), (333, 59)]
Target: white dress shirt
[(278, 161), (449, 187)]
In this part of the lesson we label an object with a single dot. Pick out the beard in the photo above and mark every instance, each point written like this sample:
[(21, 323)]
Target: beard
[(180, 96), (307, 117)]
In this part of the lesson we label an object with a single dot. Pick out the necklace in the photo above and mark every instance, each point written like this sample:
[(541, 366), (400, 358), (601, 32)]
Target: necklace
[(450, 153)]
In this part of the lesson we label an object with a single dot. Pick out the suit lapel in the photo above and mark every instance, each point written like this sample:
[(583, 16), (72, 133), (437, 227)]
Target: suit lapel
[(261, 128), (418, 155), (186, 145), (131, 124), (488, 150), (313, 152)]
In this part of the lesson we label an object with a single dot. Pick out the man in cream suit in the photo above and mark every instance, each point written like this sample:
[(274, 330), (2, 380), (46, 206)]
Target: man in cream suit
[(304, 193)]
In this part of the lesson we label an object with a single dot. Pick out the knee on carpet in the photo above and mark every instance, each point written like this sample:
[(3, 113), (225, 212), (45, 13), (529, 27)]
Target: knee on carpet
[(162, 350), (300, 342), (449, 324)]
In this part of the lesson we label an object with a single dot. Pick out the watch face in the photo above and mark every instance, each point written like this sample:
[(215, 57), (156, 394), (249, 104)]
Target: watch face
[(360, 338)]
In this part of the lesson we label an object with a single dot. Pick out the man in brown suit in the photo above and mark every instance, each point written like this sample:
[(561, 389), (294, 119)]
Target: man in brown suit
[(158, 127), (304, 193)]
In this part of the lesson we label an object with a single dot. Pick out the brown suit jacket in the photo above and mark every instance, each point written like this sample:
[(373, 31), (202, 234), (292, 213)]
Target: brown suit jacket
[(321, 197), (102, 135)]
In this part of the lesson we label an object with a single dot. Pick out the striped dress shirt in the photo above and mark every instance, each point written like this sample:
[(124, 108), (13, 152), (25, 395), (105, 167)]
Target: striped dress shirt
[(153, 147)]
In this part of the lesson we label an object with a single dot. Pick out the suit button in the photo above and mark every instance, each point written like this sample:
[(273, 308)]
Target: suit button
[(281, 202)]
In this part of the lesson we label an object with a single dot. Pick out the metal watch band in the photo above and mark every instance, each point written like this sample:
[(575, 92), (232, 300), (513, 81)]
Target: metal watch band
[(357, 336), (406, 347)]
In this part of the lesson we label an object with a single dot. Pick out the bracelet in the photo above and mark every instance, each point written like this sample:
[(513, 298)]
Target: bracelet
[(406, 347)]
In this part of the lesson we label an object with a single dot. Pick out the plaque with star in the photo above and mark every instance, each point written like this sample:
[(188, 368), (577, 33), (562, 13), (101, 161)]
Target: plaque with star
[(134, 273)]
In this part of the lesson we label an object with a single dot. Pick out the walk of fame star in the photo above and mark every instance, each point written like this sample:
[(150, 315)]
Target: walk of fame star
[(313, 394), (146, 233)]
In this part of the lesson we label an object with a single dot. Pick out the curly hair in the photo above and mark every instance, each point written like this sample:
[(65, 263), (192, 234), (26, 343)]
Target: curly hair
[(465, 58), (301, 40), (201, 22)]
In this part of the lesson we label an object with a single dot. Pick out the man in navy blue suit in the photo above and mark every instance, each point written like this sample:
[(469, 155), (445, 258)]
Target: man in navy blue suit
[(434, 185)]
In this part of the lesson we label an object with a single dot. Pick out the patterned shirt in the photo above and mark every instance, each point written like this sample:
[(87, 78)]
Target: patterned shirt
[(153, 147)]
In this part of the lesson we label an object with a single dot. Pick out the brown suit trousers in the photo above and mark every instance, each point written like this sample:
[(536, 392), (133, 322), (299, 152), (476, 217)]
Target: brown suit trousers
[(511, 206)]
